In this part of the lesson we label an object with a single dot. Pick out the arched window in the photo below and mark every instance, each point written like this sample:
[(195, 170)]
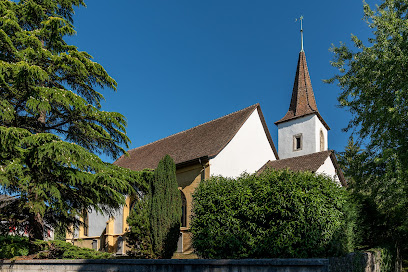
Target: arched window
[(321, 140), (183, 210)]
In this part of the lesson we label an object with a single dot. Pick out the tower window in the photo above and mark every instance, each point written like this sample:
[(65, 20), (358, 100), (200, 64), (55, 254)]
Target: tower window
[(297, 142), (321, 140)]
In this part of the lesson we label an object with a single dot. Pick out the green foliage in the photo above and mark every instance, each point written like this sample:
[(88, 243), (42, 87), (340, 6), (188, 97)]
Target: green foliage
[(165, 208), (51, 122), (139, 237), (11, 246), (374, 89), (387, 259), (373, 79), (379, 222), (278, 214), (57, 180), (62, 250), (155, 218), (60, 232)]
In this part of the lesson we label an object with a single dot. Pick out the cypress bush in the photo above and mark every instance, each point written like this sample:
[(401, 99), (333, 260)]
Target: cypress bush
[(165, 209), (278, 214), (154, 221)]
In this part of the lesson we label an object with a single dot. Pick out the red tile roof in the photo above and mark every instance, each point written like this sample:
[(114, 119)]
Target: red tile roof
[(203, 141), (310, 162), (303, 101)]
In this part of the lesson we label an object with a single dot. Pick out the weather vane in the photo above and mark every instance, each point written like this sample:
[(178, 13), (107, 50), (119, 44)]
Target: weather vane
[(301, 30)]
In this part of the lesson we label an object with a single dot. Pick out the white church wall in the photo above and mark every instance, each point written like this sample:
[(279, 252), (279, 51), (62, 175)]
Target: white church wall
[(247, 151), (328, 169), (307, 126), (118, 225), (97, 223)]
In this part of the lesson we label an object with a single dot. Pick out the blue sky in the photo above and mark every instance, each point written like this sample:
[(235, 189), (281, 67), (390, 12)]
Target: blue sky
[(182, 63)]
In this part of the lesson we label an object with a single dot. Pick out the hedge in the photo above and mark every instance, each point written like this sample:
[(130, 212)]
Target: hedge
[(278, 214)]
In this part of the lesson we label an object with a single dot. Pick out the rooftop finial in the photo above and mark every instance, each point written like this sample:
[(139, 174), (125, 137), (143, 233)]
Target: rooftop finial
[(301, 30)]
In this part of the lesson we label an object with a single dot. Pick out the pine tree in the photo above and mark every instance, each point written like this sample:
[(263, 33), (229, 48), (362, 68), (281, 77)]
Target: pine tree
[(51, 123), (165, 209)]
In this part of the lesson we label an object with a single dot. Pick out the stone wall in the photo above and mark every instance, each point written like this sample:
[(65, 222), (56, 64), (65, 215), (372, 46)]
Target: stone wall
[(357, 262), (126, 265), (354, 262)]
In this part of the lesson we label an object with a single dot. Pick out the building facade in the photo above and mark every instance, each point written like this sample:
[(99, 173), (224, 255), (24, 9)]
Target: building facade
[(228, 146)]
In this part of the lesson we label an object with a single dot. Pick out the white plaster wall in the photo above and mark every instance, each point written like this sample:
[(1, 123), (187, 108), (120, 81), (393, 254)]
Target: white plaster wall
[(307, 126), (248, 151), (97, 223), (328, 169), (118, 223)]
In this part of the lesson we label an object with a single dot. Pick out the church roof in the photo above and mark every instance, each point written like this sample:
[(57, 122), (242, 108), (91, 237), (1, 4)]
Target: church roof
[(303, 101), (310, 162), (203, 141)]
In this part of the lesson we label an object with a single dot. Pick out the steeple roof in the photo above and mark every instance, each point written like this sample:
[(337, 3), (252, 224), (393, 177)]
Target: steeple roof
[(303, 101)]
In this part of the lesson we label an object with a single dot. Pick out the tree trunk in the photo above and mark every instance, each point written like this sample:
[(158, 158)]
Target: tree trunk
[(36, 231), (398, 258)]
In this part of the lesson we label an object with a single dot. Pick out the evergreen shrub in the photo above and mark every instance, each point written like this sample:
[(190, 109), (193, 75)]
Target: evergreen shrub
[(11, 246), (57, 249), (154, 221), (277, 214)]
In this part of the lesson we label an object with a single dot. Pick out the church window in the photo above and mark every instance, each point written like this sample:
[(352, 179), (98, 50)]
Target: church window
[(321, 140), (183, 210), (297, 142)]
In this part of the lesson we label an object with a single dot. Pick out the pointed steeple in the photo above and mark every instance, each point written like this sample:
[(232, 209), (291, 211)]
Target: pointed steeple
[(303, 101)]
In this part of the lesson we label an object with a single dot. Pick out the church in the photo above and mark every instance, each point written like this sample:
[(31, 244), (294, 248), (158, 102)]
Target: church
[(228, 146)]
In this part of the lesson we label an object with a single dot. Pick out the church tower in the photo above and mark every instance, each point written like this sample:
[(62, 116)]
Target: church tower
[(302, 130)]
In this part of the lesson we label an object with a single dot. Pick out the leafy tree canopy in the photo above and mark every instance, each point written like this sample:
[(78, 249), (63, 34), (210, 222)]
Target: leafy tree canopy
[(374, 81), (373, 78), (51, 122)]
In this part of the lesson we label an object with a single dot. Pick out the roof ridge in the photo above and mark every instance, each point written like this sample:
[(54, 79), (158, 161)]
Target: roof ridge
[(307, 79), (314, 153), (184, 131)]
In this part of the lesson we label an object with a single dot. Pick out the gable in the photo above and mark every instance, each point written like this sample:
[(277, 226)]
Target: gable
[(328, 168), (246, 152), (202, 141)]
